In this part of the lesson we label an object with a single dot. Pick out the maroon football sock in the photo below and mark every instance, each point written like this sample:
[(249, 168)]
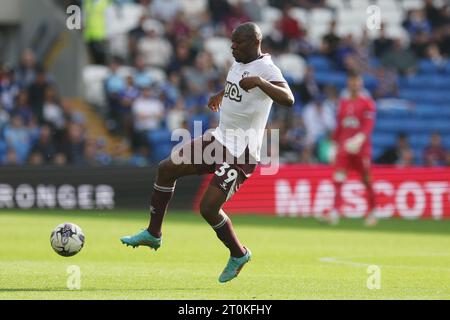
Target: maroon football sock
[(370, 197), (158, 206), (337, 196), (225, 232)]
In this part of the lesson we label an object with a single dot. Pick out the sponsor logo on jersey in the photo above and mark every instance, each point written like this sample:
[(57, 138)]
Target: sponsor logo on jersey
[(245, 74), (350, 122), (232, 92)]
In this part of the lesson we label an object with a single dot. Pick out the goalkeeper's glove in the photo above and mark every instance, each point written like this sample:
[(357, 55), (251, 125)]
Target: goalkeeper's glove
[(353, 145)]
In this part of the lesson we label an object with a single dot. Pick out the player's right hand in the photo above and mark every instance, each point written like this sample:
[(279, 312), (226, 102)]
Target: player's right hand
[(215, 101)]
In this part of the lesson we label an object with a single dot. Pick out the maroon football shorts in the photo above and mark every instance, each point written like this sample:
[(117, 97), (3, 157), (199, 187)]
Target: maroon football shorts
[(360, 163), (229, 172)]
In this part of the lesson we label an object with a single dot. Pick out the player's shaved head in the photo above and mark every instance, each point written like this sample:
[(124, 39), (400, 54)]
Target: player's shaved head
[(249, 30), (246, 42)]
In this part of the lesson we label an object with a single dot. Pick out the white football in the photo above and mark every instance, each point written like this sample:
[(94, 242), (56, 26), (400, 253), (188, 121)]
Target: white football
[(67, 239)]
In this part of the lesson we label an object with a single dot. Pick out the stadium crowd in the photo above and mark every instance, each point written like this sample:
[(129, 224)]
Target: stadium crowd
[(38, 127)]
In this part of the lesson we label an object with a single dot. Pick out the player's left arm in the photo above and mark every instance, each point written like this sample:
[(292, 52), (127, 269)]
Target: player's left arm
[(277, 91), (368, 121)]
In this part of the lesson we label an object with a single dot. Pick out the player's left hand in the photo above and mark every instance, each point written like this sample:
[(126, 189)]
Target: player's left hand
[(250, 82)]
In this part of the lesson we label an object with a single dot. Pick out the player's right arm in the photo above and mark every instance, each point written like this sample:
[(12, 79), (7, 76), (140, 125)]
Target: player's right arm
[(215, 101)]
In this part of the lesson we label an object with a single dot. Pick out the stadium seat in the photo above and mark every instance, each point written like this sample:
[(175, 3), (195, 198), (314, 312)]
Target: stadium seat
[(381, 139), (220, 49), (271, 14), (419, 141), (427, 66), (320, 63), (337, 79), (193, 7), (299, 14), (292, 66), (321, 16), (412, 4)]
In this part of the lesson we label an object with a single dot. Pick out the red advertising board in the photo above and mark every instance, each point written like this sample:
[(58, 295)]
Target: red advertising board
[(302, 191)]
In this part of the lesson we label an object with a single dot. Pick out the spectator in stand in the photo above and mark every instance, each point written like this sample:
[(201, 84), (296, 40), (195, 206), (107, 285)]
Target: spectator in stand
[(114, 85), (416, 22), (275, 42), (4, 117), (73, 146), (36, 93), (171, 89), (148, 113), (432, 14), (11, 158), (296, 135), (400, 59), (18, 138), (434, 154), (178, 28), (419, 44), (235, 17), (386, 85), (141, 77), (344, 55), (154, 49), (127, 97), (290, 27), (435, 56), (22, 108), (393, 154), (45, 148), (318, 119), (52, 112), (445, 15), (330, 41), (26, 71), (9, 88), (444, 40), (165, 10), (309, 88), (134, 36), (406, 158), (382, 44), (202, 75), (219, 10), (331, 98), (176, 115), (184, 56)]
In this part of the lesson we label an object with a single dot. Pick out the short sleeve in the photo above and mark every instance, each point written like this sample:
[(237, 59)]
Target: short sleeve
[(272, 73)]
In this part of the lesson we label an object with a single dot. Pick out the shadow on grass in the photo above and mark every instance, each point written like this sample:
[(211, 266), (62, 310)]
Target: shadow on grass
[(396, 225)]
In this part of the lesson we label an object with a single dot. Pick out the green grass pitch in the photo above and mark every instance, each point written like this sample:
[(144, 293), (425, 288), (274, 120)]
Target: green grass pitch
[(292, 259)]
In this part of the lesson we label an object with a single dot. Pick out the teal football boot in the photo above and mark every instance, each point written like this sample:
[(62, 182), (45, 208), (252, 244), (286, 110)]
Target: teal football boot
[(143, 238), (234, 266)]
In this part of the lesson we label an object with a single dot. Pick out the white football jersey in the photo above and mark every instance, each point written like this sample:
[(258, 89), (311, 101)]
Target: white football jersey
[(243, 115)]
